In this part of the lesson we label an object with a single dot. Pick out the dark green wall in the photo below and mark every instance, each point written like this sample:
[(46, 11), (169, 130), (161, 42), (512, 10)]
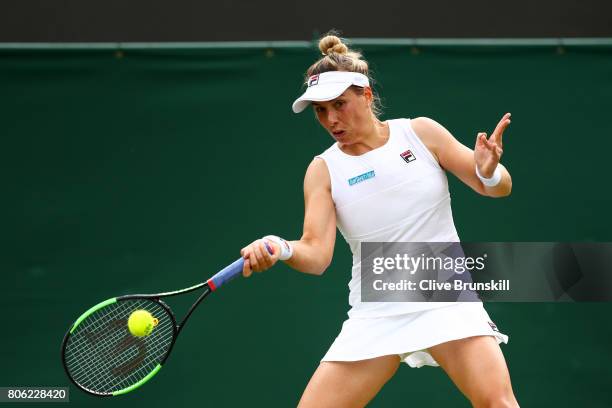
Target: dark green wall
[(149, 171)]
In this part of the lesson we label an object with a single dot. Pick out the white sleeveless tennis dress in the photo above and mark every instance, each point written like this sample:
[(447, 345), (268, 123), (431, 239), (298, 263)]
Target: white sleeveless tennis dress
[(396, 193)]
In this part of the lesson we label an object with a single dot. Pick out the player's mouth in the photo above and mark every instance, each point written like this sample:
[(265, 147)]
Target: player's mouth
[(339, 133)]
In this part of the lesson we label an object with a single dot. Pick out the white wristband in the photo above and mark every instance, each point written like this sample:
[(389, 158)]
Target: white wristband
[(493, 181), (286, 248)]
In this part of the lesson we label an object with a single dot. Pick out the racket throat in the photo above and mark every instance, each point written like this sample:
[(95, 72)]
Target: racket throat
[(180, 326)]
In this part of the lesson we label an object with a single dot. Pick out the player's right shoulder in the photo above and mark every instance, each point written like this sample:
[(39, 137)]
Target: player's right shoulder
[(317, 175)]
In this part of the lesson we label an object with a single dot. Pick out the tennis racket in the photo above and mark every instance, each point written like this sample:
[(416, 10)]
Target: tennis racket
[(103, 358)]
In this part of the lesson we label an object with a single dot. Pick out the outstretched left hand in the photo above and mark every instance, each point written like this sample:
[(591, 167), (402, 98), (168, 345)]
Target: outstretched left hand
[(488, 152)]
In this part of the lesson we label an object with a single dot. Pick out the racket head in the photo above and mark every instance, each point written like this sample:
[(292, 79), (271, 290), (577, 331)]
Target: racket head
[(102, 357)]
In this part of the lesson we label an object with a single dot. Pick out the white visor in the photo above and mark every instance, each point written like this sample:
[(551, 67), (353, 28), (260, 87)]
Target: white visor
[(327, 86)]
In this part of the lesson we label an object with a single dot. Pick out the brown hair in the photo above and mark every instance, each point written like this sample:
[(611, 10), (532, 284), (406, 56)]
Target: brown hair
[(338, 57)]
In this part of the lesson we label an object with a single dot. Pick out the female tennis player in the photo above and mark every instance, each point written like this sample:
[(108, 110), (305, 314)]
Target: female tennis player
[(385, 181)]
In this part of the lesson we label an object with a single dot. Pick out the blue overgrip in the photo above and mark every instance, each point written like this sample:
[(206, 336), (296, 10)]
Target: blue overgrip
[(230, 272)]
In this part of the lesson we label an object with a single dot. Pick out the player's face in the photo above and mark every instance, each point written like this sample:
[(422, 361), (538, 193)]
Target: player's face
[(346, 118)]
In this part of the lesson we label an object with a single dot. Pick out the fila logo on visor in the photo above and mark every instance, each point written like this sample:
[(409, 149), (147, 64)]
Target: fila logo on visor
[(313, 80), (408, 156)]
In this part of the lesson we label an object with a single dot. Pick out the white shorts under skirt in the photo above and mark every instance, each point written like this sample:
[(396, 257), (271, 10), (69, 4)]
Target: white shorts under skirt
[(409, 335)]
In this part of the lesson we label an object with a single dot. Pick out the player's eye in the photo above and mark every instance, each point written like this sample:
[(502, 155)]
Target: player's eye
[(319, 109), (339, 104)]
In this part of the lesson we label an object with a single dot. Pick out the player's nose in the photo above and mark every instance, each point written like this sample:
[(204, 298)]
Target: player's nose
[(332, 118)]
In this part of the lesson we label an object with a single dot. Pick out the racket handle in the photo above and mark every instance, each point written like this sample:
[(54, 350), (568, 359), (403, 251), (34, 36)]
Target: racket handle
[(230, 272)]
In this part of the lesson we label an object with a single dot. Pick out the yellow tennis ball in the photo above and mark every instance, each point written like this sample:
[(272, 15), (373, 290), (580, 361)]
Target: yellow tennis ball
[(141, 323)]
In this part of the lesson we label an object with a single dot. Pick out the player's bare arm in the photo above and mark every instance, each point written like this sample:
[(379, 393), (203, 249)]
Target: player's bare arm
[(460, 160), (313, 252)]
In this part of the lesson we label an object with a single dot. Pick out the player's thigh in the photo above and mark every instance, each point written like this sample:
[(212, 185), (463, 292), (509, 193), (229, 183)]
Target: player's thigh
[(348, 383), (478, 368)]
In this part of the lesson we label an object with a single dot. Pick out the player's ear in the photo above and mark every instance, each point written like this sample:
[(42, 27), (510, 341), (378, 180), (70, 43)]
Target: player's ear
[(367, 92)]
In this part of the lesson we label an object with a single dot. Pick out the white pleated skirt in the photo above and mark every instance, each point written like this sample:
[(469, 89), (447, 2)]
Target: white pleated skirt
[(410, 335)]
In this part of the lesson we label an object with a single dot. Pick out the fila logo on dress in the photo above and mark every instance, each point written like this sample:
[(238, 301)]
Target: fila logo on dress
[(408, 156)]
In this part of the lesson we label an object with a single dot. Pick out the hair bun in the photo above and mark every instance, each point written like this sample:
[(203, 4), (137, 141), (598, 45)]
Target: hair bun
[(332, 44)]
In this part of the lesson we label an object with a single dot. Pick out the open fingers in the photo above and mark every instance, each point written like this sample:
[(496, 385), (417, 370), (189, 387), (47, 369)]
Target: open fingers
[(498, 133), (482, 141), (489, 144)]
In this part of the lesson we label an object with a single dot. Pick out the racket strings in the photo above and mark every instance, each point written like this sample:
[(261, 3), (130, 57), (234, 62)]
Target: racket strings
[(117, 350), (103, 356), (119, 359)]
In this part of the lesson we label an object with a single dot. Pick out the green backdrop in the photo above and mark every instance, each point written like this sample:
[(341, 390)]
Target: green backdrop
[(147, 170)]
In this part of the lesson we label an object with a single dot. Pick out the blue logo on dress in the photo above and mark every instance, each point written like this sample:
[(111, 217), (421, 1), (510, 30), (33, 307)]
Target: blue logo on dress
[(361, 177)]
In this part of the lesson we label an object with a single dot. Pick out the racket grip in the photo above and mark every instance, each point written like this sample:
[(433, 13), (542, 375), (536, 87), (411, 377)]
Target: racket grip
[(230, 272)]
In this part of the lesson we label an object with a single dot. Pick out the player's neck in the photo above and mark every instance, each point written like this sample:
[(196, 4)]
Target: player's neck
[(374, 136)]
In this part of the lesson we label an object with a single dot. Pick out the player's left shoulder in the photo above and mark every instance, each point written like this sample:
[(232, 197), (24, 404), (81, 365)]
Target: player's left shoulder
[(432, 134), (424, 125)]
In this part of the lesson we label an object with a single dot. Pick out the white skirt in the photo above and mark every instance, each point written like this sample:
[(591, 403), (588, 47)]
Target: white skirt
[(410, 335)]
